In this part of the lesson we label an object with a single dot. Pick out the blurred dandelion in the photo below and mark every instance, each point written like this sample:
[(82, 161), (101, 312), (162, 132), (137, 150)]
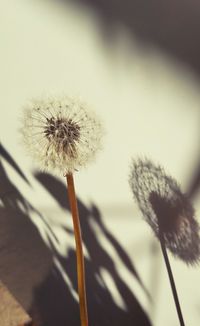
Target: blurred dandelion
[(63, 135), (169, 213)]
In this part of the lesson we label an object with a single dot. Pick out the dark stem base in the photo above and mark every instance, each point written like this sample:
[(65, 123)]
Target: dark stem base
[(171, 279)]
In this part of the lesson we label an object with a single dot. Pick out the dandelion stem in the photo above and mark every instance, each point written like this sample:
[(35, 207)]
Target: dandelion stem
[(171, 278), (79, 250)]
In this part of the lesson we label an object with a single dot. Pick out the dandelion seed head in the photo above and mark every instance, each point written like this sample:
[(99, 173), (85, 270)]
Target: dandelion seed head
[(166, 208), (61, 134)]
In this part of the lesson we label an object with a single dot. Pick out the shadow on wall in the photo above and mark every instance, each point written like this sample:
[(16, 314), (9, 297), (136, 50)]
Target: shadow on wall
[(24, 257), (102, 307), (172, 26), (27, 264), (169, 25), (194, 186)]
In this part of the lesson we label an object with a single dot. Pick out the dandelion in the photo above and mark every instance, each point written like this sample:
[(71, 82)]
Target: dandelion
[(169, 213), (63, 135)]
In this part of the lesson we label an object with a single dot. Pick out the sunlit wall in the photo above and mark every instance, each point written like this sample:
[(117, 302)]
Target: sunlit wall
[(149, 102)]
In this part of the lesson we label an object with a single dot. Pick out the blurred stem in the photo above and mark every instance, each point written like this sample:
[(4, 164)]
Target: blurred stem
[(79, 250), (171, 278)]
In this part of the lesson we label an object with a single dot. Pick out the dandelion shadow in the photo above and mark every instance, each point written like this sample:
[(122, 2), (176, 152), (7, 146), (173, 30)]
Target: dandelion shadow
[(103, 309)]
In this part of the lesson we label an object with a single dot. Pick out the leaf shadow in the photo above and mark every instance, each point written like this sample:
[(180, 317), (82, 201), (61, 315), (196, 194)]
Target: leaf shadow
[(25, 259), (171, 26), (35, 272), (103, 310)]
